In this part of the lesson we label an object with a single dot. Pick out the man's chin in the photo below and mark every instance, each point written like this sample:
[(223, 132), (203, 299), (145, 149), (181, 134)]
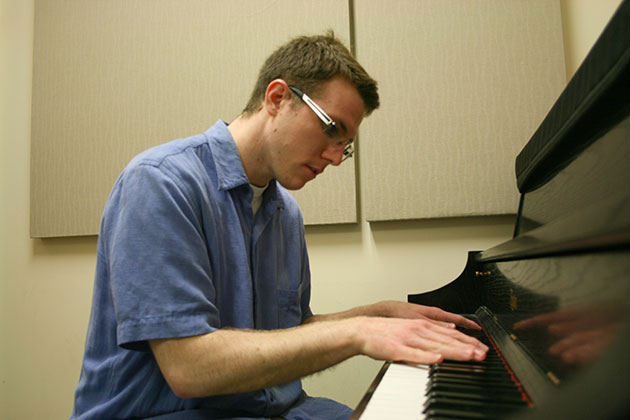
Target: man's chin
[(293, 184)]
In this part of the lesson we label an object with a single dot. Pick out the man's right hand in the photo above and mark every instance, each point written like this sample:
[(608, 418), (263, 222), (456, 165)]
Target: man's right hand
[(414, 341)]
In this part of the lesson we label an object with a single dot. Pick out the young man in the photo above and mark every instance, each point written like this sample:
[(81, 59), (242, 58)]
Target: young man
[(201, 299)]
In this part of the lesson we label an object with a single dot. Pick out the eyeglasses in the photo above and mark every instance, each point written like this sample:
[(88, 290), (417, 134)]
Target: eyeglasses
[(330, 127)]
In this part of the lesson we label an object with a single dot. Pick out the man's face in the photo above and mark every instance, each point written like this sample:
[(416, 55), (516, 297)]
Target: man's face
[(301, 149)]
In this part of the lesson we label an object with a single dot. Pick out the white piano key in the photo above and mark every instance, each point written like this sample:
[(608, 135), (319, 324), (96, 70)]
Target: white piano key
[(400, 394)]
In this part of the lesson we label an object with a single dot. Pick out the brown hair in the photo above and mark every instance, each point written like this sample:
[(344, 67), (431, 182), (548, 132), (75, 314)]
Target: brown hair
[(307, 62)]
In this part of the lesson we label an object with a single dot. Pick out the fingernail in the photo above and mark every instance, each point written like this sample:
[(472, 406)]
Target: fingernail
[(480, 354)]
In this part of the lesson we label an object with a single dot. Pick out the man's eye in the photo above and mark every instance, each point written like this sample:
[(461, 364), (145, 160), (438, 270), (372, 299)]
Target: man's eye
[(331, 131)]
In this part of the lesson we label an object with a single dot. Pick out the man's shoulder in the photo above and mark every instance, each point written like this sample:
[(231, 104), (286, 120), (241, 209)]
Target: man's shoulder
[(212, 153), (171, 151), (186, 163)]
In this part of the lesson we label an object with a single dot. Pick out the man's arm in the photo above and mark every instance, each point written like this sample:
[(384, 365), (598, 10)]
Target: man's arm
[(229, 361), (395, 309)]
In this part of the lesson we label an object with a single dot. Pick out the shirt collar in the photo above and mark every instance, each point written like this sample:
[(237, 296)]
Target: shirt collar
[(230, 171)]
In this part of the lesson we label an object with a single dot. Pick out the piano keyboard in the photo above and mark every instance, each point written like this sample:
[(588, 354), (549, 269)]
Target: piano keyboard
[(449, 390), (399, 395)]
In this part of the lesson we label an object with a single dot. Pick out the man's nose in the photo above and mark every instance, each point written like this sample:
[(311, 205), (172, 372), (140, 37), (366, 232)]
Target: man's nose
[(334, 154)]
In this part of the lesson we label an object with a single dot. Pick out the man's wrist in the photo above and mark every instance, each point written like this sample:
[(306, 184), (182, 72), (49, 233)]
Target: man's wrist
[(353, 333)]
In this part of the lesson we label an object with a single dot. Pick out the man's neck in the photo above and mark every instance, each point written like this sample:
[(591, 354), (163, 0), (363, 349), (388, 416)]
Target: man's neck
[(248, 134)]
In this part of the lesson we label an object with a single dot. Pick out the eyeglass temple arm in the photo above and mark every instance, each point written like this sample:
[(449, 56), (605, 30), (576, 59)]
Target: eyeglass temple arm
[(320, 112)]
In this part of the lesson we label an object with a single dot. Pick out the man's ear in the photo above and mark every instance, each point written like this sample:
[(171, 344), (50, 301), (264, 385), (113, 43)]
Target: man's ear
[(277, 92)]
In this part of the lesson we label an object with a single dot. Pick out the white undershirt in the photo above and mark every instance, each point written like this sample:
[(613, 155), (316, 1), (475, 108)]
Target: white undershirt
[(257, 197)]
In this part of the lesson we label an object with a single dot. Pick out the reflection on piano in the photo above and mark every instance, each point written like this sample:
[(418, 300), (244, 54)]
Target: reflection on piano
[(554, 302)]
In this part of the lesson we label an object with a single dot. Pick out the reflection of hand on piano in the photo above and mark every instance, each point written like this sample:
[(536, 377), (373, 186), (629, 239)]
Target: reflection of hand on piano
[(581, 333)]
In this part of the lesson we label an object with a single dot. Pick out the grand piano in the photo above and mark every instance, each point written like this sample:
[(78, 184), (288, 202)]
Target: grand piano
[(554, 301)]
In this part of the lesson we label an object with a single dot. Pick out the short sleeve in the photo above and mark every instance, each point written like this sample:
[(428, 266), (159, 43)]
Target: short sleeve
[(161, 278)]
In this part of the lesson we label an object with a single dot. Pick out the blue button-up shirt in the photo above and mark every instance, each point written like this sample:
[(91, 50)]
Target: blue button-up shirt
[(180, 253)]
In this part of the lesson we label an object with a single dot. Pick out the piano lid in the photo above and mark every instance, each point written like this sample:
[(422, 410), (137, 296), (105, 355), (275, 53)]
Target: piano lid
[(597, 97), (585, 207)]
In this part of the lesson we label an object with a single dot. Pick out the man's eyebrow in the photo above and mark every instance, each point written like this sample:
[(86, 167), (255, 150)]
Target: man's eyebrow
[(341, 125)]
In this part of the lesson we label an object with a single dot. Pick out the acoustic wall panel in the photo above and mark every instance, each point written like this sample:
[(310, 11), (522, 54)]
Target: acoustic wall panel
[(463, 86), (112, 78)]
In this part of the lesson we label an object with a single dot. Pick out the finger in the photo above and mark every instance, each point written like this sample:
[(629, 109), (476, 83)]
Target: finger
[(450, 343), (467, 323), (459, 336), (444, 316), (462, 352), (479, 350), (453, 350), (449, 325), (418, 356)]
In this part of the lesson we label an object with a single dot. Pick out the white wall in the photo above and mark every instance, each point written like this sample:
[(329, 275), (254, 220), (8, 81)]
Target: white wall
[(46, 285)]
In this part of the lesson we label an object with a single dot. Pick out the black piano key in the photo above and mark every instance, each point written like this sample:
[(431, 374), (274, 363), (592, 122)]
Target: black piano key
[(456, 363), (449, 386), (491, 357), (510, 398), (477, 379), (453, 414), (478, 365), (495, 408), (501, 389), (490, 371), (480, 378)]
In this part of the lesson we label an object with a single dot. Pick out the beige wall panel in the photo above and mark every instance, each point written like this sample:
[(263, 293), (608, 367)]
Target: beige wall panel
[(463, 84), (112, 78)]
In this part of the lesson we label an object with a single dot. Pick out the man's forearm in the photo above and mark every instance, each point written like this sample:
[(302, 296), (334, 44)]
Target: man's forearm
[(231, 361), (336, 316), (376, 309)]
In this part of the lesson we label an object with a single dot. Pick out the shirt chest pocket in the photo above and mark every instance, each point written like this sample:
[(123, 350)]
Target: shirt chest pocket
[(289, 308)]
